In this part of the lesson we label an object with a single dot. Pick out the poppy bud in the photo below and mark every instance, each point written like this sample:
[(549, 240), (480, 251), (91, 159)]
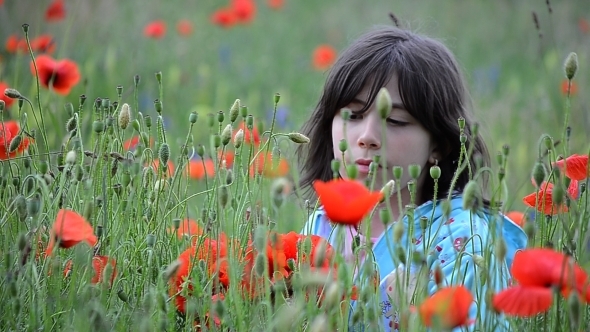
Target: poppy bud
[(471, 196), (387, 190), (505, 150), (98, 126), (435, 172), (570, 65), (124, 116), (234, 111), (397, 172), (226, 135), (164, 153), (291, 264), (43, 167), (15, 143), (216, 140), (383, 103), (160, 185), (351, 171), (171, 270), (12, 93), (500, 158), (2, 105), (539, 173), (423, 222), (400, 253), (320, 253), (575, 307), (398, 232), (71, 124), (298, 138), (463, 138), (158, 106), (558, 194), (461, 122), (276, 98), (479, 261), (343, 145), (239, 138), (414, 171), (243, 111), (71, 157), (229, 177), (223, 196), (200, 150)]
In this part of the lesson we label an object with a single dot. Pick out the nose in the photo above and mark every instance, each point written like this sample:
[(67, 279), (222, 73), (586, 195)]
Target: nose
[(370, 137)]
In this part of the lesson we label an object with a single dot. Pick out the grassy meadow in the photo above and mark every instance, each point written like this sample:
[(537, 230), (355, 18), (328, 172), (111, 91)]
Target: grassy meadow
[(93, 151)]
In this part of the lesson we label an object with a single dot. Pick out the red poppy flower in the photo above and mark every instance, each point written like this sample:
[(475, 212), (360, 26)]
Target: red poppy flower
[(187, 227), (184, 27), (448, 308), (7, 100), (267, 167), (61, 74), (224, 17), (346, 202), (323, 57), (523, 301), (56, 11), (99, 264), (575, 166), (132, 143), (8, 131), (544, 201), (244, 10), (275, 4), (198, 169), (14, 44), (565, 87), (69, 229), (517, 217), (213, 253), (43, 44), (227, 159), (155, 29)]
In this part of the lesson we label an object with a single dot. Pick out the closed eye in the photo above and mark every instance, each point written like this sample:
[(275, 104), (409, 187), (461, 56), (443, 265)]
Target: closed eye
[(397, 123)]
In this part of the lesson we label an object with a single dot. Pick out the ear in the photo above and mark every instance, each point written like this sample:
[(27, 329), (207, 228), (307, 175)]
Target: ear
[(438, 152)]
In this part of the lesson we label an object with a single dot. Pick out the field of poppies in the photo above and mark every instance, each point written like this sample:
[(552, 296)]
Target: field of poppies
[(149, 181)]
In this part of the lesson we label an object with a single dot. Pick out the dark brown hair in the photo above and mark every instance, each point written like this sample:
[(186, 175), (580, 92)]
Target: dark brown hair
[(432, 90)]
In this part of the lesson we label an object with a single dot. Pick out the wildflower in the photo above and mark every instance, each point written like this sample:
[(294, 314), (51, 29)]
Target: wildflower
[(244, 10), (250, 136), (584, 26), (448, 308), (187, 227), (184, 27), (517, 217), (323, 57), (7, 100), (544, 201), (9, 130), (13, 44), (100, 263), (155, 29), (198, 169), (265, 166), (345, 201), (61, 74), (575, 167), (569, 86), (537, 271), (275, 4), (68, 230), (224, 17), (56, 11), (42, 44)]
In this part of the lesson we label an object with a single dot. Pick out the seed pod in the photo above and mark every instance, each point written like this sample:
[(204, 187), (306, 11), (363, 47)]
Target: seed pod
[(192, 118), (570, 65), (343, 145), (164, 153), (226, 135), (435, 172), (98, 126), (414, 171)]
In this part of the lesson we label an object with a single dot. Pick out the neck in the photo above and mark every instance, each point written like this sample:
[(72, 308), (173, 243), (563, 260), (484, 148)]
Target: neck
[(377, 225)]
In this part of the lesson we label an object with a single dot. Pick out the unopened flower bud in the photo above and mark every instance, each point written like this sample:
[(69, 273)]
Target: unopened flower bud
[(388, 189), (435, 172), (571, 65), (383, 103), (223, 196), (558, 194), (539, 173), (239, 138), (276, 98), (226, 135), (216, 140), (472, 196), (200, 150), (398, 232), (234, 111), (15, 143), (298, 138), (71, 124), (124, 116), (150, 240), (12, 93), (71, 157)]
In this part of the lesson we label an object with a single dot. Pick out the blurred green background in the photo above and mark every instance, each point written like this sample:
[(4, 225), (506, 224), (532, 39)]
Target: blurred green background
[(515, 75)]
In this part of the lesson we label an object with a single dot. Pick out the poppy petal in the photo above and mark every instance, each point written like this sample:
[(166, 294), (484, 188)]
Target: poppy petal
[(523, 301)]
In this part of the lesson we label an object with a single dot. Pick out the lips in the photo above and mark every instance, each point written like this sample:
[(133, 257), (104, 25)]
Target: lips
[(363, 165)]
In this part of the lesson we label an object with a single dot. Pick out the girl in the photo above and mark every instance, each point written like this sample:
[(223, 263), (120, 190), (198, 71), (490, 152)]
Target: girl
[(428, 97)]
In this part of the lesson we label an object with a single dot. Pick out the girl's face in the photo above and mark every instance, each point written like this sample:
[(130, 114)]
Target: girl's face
[(400, 140)]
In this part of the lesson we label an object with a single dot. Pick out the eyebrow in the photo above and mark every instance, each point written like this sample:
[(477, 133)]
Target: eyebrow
[(399, 106)]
